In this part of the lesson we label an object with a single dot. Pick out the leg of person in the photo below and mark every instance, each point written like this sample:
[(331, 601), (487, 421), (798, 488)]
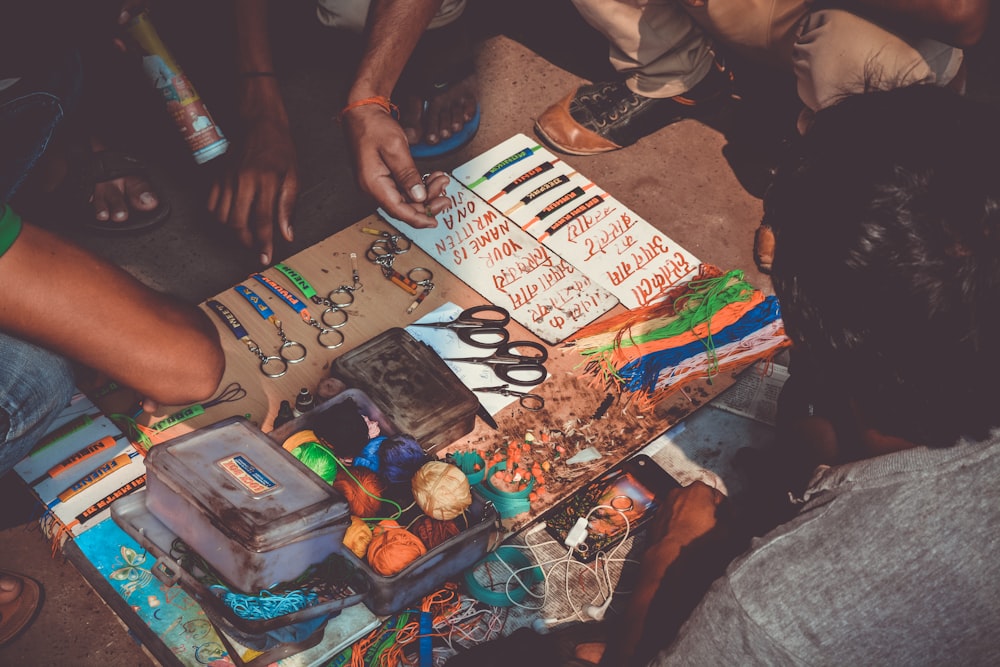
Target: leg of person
[(37, 384), (31, 109), (837, 53), (437, 91), (670, 74)]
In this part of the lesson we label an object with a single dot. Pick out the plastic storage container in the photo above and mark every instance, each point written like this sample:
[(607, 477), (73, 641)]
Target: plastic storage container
[(412, 385), (249, 508)]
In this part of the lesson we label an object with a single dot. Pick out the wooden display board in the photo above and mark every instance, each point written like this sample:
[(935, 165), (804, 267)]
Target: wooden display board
[(565, 427)]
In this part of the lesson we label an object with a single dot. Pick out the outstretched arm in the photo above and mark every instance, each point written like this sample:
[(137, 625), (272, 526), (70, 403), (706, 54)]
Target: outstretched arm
[(259, 189), (68, 300), (381, 152), (690, 543)]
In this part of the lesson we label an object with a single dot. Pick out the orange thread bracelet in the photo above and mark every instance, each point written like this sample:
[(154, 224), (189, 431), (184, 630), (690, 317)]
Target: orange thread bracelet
[(378, 100)]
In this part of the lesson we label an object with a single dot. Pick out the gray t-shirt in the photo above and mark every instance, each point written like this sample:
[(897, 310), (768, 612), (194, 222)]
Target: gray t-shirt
[(892, 561)]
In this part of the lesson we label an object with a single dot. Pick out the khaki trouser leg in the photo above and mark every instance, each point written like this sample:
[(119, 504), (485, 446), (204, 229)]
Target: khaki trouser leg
[(838, 53), (654, 42), (353, 14)]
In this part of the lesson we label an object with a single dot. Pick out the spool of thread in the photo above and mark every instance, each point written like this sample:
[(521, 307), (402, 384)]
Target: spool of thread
[(195, 124), (359, 490), (357, 537), (441, 490), (393, 548), (433, 532), (317, 458), (299, 438), (400, 456)]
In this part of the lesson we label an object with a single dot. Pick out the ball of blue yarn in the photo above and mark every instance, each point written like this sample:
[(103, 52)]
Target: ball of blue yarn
[(400, 457), (369, 456)]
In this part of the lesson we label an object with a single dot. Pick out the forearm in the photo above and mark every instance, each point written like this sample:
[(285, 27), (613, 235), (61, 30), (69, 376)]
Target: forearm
[(68, 300), (957, 22), (258, 88), (395, 28)]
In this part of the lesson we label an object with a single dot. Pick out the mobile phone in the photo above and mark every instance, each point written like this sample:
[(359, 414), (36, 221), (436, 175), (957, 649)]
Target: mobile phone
[(626, 497)]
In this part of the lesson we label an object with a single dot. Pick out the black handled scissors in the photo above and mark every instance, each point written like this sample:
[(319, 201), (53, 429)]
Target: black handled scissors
[(512, 365), (528, 401), (479, 326)]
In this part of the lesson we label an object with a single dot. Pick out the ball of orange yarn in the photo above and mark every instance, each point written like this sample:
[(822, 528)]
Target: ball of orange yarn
[(361, 503), (357, 537), (441, 490), (433, 532), (393, 548)]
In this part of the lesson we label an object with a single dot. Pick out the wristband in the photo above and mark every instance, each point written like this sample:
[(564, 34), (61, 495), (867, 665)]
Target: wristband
[(377, 100)]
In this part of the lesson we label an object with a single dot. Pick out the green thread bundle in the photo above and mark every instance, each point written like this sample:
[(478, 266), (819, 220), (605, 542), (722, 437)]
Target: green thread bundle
[(317, 458)]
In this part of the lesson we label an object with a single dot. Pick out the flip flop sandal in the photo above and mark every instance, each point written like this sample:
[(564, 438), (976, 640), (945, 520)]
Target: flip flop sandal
[(424, 150), (103, 166), (17, 614)]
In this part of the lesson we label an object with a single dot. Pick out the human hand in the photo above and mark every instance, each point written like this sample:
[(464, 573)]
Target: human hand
[(386, 171), (260, 189), (687, 514)]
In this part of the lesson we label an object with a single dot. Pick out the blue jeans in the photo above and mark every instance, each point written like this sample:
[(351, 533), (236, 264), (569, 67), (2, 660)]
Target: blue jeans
[(35, 385), (30, 112)]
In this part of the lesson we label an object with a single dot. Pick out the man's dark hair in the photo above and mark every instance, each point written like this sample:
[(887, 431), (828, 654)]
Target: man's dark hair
[(887, 259)]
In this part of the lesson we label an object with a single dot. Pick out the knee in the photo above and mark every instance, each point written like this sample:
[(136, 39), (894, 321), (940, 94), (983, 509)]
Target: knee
[(40, 385)]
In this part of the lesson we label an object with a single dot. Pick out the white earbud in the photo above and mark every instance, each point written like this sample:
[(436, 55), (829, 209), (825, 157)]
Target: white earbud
[(542, 625), (595, 612)]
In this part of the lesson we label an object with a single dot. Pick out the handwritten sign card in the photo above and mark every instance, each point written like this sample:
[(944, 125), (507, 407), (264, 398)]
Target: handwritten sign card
[(542, 291), (577, 219)]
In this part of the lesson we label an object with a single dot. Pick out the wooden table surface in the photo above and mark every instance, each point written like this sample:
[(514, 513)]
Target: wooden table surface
[(571, 397)]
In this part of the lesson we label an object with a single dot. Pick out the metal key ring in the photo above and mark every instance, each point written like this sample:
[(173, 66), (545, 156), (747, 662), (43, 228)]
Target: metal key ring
[(396, 247), (290, 344), (324, 332), (335, 325), (379, 249), (268, 361), (420, 275), (349, 291)]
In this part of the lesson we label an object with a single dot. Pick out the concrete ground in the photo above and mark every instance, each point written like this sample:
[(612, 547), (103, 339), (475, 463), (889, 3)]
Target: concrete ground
[(700, 182)]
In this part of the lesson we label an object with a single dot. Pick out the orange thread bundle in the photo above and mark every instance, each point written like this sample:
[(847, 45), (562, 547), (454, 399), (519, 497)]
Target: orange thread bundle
[(433, 532), (364, 495), (393, 548)]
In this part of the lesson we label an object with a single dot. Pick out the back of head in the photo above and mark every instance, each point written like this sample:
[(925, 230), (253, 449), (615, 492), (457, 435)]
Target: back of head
[(887, 259)]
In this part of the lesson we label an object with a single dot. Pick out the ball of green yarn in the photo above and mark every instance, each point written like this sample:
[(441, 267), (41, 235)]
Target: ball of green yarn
[(317, 458)]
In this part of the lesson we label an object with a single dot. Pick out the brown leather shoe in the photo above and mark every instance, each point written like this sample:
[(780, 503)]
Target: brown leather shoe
[(601, 117)]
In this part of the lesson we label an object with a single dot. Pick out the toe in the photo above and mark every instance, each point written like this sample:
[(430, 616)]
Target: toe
[(140, 194)]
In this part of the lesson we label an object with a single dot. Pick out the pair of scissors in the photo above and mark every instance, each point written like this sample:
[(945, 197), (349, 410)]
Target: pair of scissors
[(528, 401), (480, 326), (515, 362)]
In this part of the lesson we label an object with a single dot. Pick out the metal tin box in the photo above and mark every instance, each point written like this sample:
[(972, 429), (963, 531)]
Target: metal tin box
[(387, 595), (250, 509), (412, 385), (132, 514)]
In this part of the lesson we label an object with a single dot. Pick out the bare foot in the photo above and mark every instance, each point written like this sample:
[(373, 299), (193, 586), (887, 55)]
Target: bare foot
[(112, 199), (10, 588), (441, 115)]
